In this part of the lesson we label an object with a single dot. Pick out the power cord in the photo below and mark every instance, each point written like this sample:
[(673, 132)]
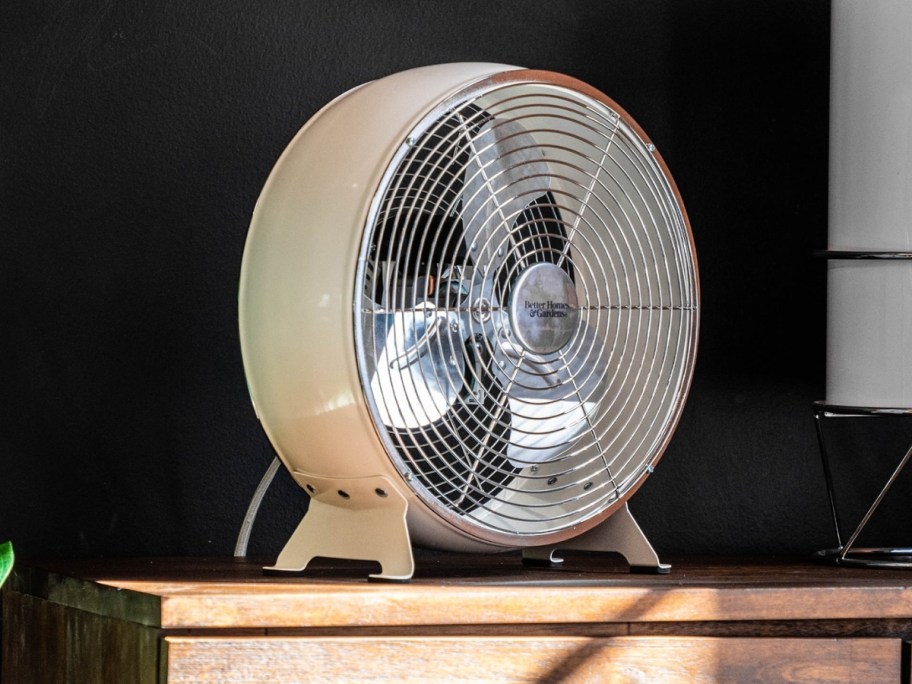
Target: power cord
[(240, 547)]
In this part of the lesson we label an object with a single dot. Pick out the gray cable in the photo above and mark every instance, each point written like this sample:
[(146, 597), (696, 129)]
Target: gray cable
[(240, 548)]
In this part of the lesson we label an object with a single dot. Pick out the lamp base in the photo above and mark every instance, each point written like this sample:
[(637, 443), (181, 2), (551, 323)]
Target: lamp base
[(846, 553), (874, 557)]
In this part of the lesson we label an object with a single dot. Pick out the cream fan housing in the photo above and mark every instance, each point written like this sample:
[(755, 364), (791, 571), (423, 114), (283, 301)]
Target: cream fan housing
[(468, 317)]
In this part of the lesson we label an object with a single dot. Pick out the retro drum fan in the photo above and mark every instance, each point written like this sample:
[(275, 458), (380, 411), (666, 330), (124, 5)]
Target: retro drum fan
[(468, 316)]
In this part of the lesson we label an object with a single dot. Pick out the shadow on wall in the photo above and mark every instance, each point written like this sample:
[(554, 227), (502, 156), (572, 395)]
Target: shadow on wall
[(141, 136)]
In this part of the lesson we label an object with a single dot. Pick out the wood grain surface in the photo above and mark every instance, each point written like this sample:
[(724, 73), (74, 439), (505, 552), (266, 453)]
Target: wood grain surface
[(671, 660), (464, 618), (223, 593)]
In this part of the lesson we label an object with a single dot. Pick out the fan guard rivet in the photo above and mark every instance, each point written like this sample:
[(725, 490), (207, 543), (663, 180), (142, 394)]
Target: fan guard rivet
[(481, 310)]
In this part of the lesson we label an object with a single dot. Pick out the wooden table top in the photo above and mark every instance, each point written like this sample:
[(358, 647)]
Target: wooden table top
[(456, 589)]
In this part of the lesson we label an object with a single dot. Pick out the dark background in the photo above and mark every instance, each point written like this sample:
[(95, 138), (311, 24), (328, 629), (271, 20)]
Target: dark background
[(135, 139)]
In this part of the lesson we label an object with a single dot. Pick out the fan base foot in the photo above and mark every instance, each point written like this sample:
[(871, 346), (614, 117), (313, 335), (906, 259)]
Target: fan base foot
[(660, 569), (619, 533), (357, 519)]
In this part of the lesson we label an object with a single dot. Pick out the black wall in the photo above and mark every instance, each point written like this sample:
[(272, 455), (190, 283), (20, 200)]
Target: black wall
[(136, 137)]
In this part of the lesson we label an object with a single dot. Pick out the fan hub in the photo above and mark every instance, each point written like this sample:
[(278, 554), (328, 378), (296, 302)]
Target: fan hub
[(544, 311)]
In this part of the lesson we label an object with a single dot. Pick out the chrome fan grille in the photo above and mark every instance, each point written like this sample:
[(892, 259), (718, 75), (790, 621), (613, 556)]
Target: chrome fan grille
[(526, 308)]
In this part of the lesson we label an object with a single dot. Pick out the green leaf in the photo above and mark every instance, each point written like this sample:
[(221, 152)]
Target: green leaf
[(6, 560)]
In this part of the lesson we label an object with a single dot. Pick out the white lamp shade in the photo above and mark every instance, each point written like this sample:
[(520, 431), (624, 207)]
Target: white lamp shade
[(869, 330)]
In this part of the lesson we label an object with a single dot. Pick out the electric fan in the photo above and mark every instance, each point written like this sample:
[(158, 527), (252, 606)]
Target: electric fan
[(468, 317)]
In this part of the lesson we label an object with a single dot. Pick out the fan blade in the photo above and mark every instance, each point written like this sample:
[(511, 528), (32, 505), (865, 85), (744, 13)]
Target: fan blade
[(553, 399), (505, 173), (464, 456), (420, 365)]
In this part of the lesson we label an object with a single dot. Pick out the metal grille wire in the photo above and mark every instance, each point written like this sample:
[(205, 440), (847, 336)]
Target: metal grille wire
[(496, 435)]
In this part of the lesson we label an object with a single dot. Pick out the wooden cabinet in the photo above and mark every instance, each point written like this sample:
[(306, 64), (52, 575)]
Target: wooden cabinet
[(464, 618)]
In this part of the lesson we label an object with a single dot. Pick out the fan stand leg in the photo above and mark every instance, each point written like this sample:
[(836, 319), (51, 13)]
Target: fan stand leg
[(360, 519), (619, 533)]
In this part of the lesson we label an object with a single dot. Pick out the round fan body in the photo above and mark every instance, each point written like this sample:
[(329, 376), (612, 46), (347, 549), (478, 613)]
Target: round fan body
[(471, 290)]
